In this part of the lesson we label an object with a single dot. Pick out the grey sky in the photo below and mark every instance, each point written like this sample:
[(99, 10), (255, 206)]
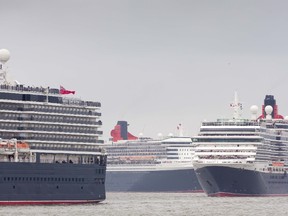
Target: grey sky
[(154, 63)]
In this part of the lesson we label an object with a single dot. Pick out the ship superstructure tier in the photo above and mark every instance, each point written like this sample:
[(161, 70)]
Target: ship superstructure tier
[(43, 117)]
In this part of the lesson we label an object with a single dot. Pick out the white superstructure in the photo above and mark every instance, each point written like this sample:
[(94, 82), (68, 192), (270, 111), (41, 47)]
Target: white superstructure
[(149, 154), (254, 144)]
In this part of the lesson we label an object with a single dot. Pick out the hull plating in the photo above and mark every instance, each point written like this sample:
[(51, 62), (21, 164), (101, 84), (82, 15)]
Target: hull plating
[(227, 181), (36, 183), (152, 181)]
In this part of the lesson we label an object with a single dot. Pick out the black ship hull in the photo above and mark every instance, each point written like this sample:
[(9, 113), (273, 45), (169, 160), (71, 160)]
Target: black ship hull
[(177, 180), (228, 181), (47, 183)]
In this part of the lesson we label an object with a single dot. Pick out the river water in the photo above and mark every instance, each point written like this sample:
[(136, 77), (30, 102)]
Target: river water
[(128, 204)]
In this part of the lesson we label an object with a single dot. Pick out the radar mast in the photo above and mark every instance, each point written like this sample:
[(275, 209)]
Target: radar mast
[(237, 107)]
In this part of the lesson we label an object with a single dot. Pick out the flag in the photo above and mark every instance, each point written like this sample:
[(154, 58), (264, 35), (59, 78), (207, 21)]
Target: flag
[(65, 91)]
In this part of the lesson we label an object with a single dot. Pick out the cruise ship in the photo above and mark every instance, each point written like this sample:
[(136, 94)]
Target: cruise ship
[(51, 150), (149, 165), (244, 157)]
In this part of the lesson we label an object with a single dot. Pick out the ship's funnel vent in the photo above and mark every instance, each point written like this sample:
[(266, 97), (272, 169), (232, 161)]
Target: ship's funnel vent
[(272, 112), (120, 132)]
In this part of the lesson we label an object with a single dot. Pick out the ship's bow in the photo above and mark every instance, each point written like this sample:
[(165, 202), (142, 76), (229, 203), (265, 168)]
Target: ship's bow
[(222, 180)]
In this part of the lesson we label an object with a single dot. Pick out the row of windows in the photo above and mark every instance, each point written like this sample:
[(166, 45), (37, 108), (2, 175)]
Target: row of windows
[(272, 136), (23, 93), (50, 118), (50, 137), (171, 153), (64, 138), (223, 157), (231, 123), (226, 140), (228, 129), (277, 182), (42, 108), (117, 151), (56, 128), (65, 119), (132, 162), (134, 148), (29, 97), (43, 179), (85, 161), (80, 111), (180, 149), (51, 179), (138, 154), (184, 149), (64, 146)]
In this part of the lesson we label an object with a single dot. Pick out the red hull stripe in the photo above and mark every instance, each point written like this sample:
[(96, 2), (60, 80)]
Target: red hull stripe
[(225, 194), (180, 191), (47, 202), (188, 191)]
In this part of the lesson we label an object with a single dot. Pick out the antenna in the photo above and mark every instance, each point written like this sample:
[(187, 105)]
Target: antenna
[(237, 107), (4, 57)]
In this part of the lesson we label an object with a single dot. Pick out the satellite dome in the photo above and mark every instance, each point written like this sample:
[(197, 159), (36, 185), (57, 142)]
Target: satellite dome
[(286, 117), (269, 109), (4, 55), (254, 109), (160, 135), (170, 134)]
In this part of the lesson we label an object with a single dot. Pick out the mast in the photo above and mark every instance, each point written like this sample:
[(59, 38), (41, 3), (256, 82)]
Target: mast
[(237, 107)]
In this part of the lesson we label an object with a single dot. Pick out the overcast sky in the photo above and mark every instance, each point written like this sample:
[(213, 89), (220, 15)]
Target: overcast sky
[(154, 63)]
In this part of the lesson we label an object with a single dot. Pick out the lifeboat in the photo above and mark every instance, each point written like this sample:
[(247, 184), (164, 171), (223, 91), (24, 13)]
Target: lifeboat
[(22, 147), (5, 147), (277, 163), (8, 147)]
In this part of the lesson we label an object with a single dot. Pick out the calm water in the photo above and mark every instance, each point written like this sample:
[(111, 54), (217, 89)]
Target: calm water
[(118, 204)]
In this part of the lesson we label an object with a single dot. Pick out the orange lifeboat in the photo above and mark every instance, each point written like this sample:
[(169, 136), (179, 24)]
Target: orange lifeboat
[(22, 145), (277, 163), (8, 147)]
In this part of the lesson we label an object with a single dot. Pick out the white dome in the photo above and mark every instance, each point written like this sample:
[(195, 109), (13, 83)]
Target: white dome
[(286, 117), (254, 109), (4, 55), (160, 135), (170, 134), (269, 109)]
